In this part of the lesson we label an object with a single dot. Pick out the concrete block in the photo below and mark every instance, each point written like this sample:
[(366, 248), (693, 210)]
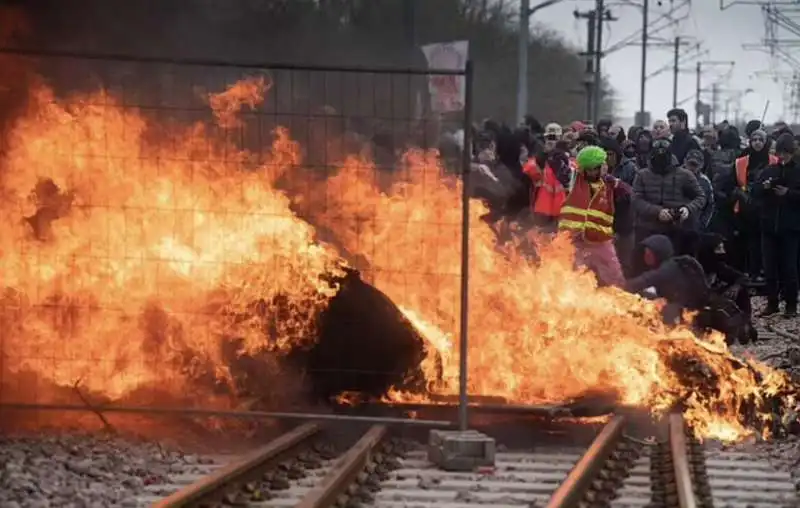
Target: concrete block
[(454, 450)]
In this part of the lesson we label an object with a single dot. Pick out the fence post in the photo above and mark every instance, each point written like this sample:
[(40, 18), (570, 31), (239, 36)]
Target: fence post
[(466, 155)]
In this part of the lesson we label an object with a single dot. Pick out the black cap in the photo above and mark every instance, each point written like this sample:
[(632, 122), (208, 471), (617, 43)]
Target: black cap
[(751, 127)]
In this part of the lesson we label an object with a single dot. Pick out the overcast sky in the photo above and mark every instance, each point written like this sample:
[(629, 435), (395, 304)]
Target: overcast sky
[(721, 32)]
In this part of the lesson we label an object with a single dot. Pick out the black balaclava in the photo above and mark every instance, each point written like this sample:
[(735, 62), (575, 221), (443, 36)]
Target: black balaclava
[(660, 156)]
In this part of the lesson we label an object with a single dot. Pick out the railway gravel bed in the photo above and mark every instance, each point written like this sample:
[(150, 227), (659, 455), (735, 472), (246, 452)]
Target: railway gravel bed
[(518, 479), (80, 470), (313, 466)]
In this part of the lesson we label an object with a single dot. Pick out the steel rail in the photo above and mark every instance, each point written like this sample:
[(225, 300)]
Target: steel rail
[(573, 490), (213, 484), (251, 415), (347, 468), (678, 446)]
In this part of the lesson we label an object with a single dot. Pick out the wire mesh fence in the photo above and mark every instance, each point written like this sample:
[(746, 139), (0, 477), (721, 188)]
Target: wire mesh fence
[(196, 233)]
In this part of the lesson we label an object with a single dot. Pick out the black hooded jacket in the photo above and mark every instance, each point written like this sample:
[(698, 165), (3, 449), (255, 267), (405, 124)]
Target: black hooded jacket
[(682, 143), (678, 279), (779, 214)]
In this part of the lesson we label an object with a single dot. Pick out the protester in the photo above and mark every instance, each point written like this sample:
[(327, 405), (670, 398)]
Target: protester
[(660, 130), (617, 133), (679, 280), (644, 145), (588, 215), (729, 289), (668, 199), (777, 195), (552, 134), (548, 191), (682, 140), (748, 169), (603, 127), (694, 163)]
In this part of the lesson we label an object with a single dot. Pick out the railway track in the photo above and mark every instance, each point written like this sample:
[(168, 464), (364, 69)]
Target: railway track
[(374, 469)]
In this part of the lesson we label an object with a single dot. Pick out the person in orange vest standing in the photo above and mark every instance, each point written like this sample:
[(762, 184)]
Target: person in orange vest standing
[(748, 168), (548, 192), (588, 215)]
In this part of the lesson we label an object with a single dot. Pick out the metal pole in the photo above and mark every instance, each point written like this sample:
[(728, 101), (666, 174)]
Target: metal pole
[(590, 61), (233, 414), (714, 91), (643, 78), (463, 378), (600, 11), (522, 63), (675, 73), (698, 86)]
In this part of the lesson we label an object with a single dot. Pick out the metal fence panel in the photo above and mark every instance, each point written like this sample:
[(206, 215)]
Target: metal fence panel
[(168, 226)]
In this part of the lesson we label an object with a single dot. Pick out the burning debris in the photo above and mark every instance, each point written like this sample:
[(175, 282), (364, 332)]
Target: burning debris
[(153, 262)]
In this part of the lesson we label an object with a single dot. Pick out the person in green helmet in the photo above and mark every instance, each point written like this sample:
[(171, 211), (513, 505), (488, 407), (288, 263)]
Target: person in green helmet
[(588, 215)]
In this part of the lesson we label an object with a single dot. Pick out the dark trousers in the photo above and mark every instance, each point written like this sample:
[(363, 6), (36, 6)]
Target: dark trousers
[(780, 252)]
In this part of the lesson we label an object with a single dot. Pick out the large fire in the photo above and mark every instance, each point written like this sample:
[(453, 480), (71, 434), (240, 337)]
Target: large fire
[(125, 244)]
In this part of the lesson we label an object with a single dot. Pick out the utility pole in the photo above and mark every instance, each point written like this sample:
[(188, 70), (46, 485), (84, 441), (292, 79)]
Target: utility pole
[(714, 103), (522, 64), (590, 75), (643, 79), (600, 15), (675, 72), (698, 91), (523, 39), (594, 56)]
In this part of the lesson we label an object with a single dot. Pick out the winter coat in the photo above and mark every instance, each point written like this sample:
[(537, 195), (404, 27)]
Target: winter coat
[(682, 143), (674, 188), (680, 280), (624, 216), (707, 213), (779, 214)]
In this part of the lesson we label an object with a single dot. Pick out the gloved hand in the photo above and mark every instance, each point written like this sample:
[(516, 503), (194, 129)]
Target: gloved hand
[(664, 215), (684, 213)]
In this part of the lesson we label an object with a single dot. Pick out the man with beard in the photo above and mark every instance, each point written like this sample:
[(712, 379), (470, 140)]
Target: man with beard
[(667, 199), (682, 140), (777, 195), (588, 215), (748, 169)]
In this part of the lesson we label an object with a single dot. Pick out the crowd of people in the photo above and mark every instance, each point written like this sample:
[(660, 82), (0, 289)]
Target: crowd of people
[(701, 219)]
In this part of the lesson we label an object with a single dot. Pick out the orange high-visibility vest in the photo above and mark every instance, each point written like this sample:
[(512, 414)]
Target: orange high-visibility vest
[(547, 193), (593, 216), (741, 174)]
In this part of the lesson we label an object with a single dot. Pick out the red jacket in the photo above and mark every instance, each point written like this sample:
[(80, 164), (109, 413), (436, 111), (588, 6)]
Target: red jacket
[(547, 193)]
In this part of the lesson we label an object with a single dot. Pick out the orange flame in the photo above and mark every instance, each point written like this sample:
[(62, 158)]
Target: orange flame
[(162, 246), (143, 231)]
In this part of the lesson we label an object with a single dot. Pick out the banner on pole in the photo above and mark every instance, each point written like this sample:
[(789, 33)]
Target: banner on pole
[(448, 93)]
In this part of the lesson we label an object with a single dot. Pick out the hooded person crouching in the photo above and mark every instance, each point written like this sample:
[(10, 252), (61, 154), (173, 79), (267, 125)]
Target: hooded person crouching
[(588, 214), (680, 280)]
